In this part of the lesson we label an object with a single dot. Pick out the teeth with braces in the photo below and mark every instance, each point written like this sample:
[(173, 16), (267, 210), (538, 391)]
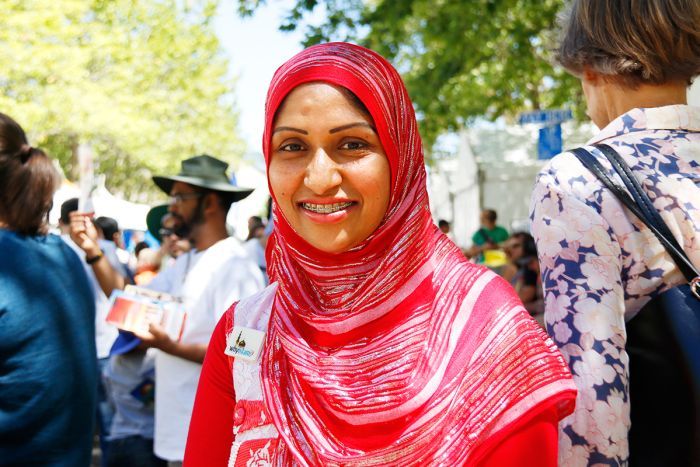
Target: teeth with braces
[(326, 208)]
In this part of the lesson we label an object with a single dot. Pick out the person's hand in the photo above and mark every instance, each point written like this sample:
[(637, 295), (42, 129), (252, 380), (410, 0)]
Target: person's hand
[(157, 338), (84, 234), (165, 245)]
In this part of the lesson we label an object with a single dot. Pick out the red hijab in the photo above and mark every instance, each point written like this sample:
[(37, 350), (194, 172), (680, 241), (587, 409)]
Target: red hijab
[(398, 348)]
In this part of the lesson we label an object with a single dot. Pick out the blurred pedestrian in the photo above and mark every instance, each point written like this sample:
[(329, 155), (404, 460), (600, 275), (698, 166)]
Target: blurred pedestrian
[(112, 244), (105, 333), (161, 225), (377, 342), (210, 277), (173, 244), (600, 264), (140, 246), (522, 271), (446, 228), (147, 266), (130, 380), (48, 370), (490, 236), (254, 223), (255, 243)]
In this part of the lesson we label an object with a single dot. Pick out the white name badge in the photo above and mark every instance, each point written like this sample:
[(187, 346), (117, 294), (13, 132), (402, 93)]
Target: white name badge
[(244, 343)]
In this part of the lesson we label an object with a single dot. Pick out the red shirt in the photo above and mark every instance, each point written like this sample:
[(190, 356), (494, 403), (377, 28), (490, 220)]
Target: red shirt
[(530, 441)]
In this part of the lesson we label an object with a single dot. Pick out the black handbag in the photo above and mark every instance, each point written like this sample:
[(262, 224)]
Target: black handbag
[(663, 342)]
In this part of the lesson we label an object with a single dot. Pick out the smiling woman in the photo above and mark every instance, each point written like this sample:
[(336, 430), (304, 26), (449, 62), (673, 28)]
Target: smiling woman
[(376, 342), (328, 169)]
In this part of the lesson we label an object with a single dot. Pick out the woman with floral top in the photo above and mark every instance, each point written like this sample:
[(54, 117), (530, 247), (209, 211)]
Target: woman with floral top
[(377, 342), (599, 263)]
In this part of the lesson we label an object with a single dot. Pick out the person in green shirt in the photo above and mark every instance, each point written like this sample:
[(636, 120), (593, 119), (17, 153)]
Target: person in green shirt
[(489, 237)]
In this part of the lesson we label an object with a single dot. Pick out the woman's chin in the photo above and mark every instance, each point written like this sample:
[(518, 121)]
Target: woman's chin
[(333, 247), (330, 242)]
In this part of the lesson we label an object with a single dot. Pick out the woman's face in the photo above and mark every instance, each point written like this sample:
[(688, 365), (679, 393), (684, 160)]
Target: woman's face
[(514, 248), (328, 170)]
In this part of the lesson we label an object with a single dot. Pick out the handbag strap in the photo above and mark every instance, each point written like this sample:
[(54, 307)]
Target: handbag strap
[(638, 193), (643, 208)]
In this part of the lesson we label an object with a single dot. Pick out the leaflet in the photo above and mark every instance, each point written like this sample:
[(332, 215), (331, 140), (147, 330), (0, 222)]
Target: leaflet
[(135, 308)]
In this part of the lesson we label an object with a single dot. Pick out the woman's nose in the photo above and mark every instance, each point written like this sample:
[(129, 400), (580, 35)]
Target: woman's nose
[(322, 173)]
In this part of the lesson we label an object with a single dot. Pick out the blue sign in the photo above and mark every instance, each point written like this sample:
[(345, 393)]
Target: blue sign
[(550, 143), (545, 117)]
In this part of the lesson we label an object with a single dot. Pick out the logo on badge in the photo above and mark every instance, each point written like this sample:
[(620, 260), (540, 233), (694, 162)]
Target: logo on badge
[(244, 343), (239, 340)]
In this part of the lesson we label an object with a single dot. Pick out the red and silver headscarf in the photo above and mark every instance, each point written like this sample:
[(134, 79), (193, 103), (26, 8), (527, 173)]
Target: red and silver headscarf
[(398, 350)]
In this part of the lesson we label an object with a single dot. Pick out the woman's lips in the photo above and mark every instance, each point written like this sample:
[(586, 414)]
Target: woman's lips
[(325, 212), (326, 208)]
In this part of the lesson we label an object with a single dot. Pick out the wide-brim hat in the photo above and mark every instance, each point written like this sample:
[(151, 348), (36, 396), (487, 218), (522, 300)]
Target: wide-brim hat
[(204, 172), (154, 220), (125, 343)]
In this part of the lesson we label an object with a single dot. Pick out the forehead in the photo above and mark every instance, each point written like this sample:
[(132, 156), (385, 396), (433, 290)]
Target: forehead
[(311, 100), (180, 187)]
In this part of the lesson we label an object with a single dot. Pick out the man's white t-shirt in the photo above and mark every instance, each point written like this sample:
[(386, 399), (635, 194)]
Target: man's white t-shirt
[(208, 282)]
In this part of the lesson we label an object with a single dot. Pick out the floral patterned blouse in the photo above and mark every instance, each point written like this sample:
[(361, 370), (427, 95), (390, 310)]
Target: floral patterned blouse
[(600, 264)]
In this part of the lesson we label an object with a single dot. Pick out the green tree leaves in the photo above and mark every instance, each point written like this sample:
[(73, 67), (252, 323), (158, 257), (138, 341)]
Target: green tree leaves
[(145, 82), (460, 59)]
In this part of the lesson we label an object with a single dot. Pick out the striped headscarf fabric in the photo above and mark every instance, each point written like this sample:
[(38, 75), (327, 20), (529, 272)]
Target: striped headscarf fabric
[(398, 350)]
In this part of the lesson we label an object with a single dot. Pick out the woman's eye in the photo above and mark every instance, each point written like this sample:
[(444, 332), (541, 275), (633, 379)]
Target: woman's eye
[(291, 147), (353, 145)]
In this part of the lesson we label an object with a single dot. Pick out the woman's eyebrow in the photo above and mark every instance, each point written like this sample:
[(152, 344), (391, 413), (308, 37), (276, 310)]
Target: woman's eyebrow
[(289, 128), (351, 125)]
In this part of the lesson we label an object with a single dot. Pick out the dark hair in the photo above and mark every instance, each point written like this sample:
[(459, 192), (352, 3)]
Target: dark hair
[(633, 41), (140, 246), (255, 223), (108, 226), (28, 181), (68, 206), (268, 212), (255, 220), (529, 245), (490, 215), (443, 223), (224, 199)]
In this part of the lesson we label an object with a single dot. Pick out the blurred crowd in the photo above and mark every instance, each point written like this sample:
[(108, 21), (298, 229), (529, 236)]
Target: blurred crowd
[(69, 373), (512, 255)]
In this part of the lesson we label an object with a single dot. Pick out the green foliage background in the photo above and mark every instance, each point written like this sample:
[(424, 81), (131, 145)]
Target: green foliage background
[(143, 81), (460, 59)]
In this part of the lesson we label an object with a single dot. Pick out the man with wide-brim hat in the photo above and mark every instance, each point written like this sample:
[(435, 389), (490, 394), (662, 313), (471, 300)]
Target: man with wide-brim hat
[(201, 179), (208, 279), (204, 172)]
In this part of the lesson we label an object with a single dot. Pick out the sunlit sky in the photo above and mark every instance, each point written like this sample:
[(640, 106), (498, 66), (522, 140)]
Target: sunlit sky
[(255, 48)]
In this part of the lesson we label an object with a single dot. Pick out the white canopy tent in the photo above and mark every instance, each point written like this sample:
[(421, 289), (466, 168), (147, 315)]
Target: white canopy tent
[(130, 216), (250, 176)]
